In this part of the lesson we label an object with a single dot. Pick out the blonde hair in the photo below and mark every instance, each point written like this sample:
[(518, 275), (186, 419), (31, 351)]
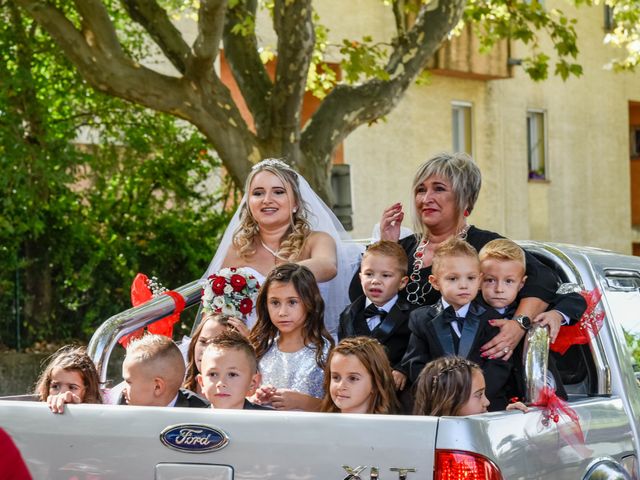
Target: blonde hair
[(503, 249), (444, 386), (453, 247), (191, 379), (232, 340), (162, 354), (299, 227), (373, 357), (386, 248), (459, 169), (74, 359)]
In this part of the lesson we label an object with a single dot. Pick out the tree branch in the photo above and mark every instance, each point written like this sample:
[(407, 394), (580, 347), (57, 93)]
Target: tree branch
[(97, 27), (241, 50), (156, 22), (210, 26), (348, 107), (293, 23)]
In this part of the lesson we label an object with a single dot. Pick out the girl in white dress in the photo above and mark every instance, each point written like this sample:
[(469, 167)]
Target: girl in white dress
[(291, 340)]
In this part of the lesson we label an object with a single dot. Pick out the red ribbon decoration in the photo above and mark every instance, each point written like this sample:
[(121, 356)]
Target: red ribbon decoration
[(140, 294), (589, 323), (555, 409)]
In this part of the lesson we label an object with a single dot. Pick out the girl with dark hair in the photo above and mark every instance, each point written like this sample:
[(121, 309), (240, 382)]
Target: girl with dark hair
[(70, 377), (291, 340)]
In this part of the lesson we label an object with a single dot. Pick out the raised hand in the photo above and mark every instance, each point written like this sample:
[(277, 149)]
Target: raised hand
[(390, 222)]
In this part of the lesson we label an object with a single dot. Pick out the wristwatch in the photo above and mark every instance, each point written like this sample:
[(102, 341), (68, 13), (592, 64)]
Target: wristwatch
[(523, 321)]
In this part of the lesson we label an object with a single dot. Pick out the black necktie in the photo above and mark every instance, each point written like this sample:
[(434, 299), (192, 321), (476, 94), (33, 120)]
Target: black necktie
[(372, 311)]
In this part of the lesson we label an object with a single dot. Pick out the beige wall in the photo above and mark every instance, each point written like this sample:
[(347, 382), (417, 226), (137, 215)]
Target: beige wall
[(585, 201)]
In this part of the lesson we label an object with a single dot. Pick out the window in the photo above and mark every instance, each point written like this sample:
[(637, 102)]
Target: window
[(461, 127), (609, 20), (536, 145)]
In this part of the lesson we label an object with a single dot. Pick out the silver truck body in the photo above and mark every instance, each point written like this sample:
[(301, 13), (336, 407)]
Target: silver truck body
[(113, 442)]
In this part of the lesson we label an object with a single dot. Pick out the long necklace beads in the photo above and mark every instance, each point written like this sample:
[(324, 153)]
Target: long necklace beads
[(417, 291)]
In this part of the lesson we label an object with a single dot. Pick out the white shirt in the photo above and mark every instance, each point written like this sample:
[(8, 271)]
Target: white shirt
[(461, 312), (374, 321)]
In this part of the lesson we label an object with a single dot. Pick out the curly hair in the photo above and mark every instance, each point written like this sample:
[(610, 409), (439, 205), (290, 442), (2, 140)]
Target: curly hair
[(74, 359), (373, 357), (264, 332), (191, 376), (299, 228), (444, 386)]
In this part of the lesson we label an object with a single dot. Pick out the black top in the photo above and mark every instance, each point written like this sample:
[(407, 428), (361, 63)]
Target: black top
[(254, 406), (541, 281)]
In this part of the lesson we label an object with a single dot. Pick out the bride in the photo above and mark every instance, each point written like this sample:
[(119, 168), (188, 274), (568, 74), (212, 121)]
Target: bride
[(281, 219)]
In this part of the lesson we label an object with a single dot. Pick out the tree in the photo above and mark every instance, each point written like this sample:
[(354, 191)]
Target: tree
[(376, 75), (77, 223)]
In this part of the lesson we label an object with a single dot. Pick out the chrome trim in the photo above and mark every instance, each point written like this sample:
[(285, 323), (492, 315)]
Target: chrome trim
[(536, 360), (107, 335), (606, 468)]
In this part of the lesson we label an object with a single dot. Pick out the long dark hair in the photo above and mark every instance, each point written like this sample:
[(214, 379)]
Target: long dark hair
[(314, 333)]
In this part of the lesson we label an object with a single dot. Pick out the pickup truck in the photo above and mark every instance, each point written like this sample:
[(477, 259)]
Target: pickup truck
[(120, 442)]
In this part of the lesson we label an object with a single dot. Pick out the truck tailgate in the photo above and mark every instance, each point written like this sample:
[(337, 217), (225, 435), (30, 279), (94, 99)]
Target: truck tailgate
[(115, 442)]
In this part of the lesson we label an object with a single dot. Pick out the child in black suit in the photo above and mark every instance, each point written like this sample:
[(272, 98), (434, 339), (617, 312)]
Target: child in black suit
[(230, 372), (503, 266), (379, 313), (456, 325)]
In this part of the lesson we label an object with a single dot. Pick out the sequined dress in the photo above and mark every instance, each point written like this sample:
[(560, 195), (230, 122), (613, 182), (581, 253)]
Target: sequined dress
[(296, 371)]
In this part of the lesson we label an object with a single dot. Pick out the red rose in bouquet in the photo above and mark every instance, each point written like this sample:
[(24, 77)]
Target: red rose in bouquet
[(218, 284), (245, 306), (238, 282)]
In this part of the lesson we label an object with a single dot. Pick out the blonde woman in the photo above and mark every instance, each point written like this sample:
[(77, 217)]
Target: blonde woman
[(280, 220)]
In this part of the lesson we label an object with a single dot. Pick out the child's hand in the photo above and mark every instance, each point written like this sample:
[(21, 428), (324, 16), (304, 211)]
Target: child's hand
[(285, 399), (239, 326), (399, 379), (518, 406), (551, 318), (264, 394), (56, 402)]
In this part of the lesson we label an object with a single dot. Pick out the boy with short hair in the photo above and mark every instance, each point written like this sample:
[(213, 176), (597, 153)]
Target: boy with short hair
[(153, 371), (379, 313), (503, 265), (229, 372), (456, 325)]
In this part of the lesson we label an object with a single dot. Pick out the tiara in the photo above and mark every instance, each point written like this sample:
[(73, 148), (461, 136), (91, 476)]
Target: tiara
[(271, 162), (459, 364)]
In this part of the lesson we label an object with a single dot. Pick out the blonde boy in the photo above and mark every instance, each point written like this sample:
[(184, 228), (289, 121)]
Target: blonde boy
[(230, 372), (456, 325), (503, 266), (153, 371)]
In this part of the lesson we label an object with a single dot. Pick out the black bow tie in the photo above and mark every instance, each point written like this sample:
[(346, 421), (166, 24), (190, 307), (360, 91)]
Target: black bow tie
[(372, 311), (450, 316)]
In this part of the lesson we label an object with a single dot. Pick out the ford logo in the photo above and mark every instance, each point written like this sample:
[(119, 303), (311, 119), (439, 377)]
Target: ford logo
[(194, 438)]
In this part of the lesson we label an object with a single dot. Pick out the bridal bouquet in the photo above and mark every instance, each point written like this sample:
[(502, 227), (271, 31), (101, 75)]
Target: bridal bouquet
[(231, 291)]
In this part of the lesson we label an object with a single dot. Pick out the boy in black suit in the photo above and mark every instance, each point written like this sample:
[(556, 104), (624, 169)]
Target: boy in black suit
[(503, 265), (379, 313), (456, 325), (153, 371), (230, 372)]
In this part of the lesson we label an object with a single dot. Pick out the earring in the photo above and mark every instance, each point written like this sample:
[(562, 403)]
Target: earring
[(295, 209), (466, 213)]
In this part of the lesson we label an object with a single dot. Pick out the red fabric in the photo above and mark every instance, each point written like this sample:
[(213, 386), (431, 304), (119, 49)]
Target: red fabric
[(569, 429), (12, 466), (140, 294), (589, 324), (165, 325)]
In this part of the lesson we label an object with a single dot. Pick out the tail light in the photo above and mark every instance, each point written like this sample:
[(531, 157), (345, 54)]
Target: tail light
[(458, 465)]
